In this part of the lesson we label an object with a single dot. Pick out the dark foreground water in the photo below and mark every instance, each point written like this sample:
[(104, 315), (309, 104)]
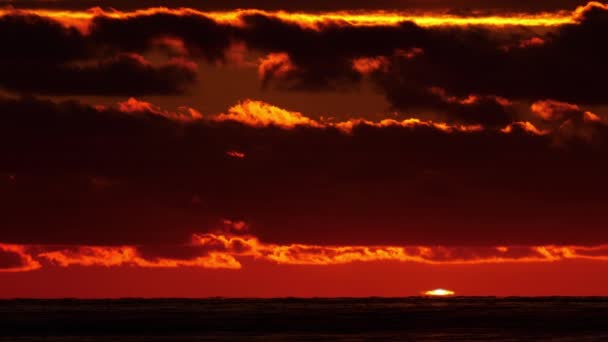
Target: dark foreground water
[(381, 319)]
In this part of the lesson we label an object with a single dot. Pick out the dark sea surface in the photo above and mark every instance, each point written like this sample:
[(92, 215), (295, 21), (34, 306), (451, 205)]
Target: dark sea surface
[(344, 319)]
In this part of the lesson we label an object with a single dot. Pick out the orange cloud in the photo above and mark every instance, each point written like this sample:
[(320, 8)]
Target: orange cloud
[(27, 262), (469, 100), (569, 120), (222, 251), (261, 114), (366, 65), (553, 110), (525, 126), (534, 41), (591, 117), (277, 65), (183, 113), (347, 126), (580, 12), (301, 254), (235, 154), (129, 256)]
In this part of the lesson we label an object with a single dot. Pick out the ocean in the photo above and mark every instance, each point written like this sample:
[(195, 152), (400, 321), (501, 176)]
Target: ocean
[(330, 319)]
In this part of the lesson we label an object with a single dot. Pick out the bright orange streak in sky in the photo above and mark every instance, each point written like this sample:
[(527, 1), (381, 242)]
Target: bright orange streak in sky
[(316, 20)]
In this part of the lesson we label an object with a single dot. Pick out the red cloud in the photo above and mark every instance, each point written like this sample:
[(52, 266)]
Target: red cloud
[(551, 110), (275, 65), (183, 113), (16, 258)]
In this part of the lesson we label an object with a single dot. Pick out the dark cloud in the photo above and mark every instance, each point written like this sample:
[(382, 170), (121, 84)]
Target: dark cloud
[(164, 180), (516, 63), (486, 110), (123, 75), (202, 36), (10, 260), (75, 174), (29, 38), (322, 60), (465, 62), (325, 57), (41, 56), (462, 61)]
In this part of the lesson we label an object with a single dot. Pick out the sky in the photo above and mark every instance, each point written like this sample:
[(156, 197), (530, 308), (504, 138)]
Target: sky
[(303, 148)]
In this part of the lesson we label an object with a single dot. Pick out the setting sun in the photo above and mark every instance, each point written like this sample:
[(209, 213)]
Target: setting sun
[(439, 293)]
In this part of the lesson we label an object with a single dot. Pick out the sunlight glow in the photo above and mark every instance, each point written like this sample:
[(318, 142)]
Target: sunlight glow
[(439, 293)]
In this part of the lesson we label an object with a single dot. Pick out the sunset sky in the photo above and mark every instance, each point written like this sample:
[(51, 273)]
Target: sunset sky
[(303, 148)]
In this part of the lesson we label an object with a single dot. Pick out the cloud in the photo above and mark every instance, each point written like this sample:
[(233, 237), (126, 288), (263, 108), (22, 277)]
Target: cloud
[(524, 126), (568, 121), (260, 114), (220, 251), (135, 106), (44, 57), (275, 65), (300, 254), (550, 110), (315, 52), (129, 256), (367, 65), (95, 176), (465, 62), (15, 258), (236, 154), (124, 74), (555, 111)]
